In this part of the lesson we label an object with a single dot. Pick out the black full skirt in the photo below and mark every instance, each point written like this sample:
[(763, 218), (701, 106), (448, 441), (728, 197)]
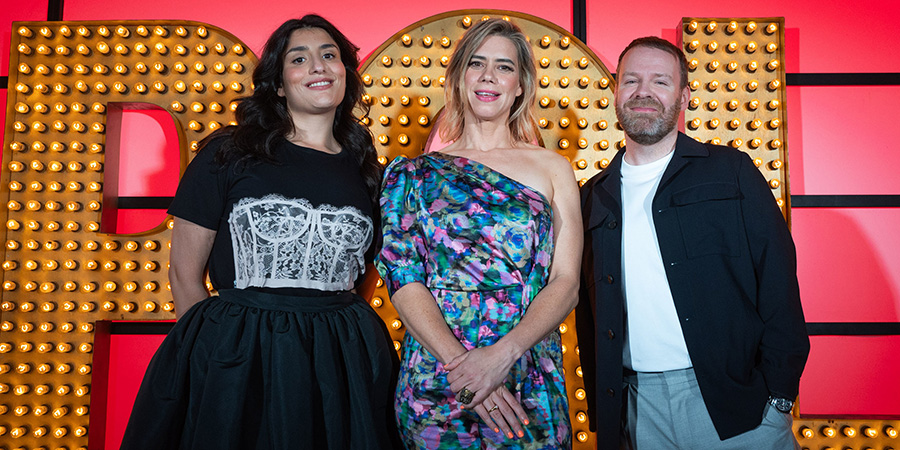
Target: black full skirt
[(252, 370)]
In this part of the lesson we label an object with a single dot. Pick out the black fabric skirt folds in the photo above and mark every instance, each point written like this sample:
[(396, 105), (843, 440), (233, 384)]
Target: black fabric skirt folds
[(251, 370)]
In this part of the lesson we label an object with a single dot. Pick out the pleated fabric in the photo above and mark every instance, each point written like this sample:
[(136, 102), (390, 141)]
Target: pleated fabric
[(253, 370)]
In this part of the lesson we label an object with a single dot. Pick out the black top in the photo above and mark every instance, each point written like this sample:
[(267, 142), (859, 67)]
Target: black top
[(299, 226)]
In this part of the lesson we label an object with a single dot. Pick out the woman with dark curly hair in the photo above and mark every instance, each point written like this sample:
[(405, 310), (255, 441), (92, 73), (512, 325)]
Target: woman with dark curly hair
[(280, 208)]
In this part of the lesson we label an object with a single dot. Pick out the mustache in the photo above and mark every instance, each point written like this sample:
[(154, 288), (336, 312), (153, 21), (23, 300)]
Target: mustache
[(644, 102)]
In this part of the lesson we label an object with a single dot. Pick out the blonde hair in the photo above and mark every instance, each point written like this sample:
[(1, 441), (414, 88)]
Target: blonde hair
[(522, 123)]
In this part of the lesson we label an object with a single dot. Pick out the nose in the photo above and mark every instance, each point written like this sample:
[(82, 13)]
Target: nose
[(642, 90), (488, 75), (317, 65)]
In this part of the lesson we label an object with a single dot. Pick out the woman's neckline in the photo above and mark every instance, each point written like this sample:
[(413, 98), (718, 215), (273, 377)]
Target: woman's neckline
[(491, 169), (315, 151)]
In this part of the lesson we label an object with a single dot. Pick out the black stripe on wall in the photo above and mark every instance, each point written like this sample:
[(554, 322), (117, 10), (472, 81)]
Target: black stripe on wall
[(140, 327), (853, 328), (845, 201), (4, 82), (144, 202), (55, 10), (579, 19), (842, 79)]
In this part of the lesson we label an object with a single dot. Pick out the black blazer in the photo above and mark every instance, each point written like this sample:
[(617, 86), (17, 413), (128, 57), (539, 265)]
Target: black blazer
[(731, 266)]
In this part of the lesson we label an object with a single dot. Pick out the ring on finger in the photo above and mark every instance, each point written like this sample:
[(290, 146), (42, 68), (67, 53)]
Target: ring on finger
[(465, 396), (493, 408)]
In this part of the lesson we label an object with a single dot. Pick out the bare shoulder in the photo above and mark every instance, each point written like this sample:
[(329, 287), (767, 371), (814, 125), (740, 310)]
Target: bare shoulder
[(546, 159), (553, 170), (558, 166)]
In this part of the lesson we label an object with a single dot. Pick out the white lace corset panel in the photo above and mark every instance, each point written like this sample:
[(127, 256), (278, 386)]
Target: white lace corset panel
[(280, 242)]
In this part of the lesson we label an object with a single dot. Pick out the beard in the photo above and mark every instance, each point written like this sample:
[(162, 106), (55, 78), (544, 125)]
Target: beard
[(644, 128)]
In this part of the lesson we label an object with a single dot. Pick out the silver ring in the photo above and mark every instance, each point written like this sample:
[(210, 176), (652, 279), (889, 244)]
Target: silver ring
[(493, 408)]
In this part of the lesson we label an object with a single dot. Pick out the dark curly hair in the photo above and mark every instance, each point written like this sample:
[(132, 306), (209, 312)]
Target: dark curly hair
[(263, 118)]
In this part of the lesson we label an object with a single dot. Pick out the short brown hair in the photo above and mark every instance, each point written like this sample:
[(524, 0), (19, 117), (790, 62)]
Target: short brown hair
[(659, 44), (522, 123)]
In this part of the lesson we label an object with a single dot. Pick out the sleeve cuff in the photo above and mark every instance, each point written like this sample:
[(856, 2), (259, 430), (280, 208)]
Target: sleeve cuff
[(401, 276)]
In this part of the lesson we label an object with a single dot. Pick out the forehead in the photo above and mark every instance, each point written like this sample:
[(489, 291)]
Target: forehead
[(643, 60), (495, 46), (310, 38)]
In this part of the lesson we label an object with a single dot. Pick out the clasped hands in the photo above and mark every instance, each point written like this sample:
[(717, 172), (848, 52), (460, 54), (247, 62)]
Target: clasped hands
[(483, 371)]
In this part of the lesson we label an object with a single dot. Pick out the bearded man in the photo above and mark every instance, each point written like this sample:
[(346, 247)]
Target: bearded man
[(690, 327)]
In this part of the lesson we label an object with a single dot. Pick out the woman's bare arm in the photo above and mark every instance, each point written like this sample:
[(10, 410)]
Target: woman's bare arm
[(425, 322), (191, 246)]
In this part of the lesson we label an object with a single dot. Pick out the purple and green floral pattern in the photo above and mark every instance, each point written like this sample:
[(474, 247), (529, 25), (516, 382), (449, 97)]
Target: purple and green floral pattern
[(482, 243)]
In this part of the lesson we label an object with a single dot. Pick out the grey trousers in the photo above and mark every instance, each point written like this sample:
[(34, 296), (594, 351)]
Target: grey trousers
[(665, 411)]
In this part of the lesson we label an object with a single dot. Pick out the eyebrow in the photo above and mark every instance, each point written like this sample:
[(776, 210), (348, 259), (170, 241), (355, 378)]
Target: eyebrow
[(504, 60), (303, 48), (655, 75)]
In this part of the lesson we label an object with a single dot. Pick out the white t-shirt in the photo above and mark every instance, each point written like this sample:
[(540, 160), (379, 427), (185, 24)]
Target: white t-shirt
[(654, 341)]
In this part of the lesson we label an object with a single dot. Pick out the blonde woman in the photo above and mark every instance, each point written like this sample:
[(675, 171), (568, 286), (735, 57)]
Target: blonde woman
[(471, 238)]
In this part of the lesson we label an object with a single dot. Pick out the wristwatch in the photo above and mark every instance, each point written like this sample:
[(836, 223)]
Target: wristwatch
[(782, 404)]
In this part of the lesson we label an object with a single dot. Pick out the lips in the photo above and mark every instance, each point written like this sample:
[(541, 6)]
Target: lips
[(487, 96)]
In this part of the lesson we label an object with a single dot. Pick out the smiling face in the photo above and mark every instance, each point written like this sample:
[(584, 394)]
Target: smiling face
[(649, 95), (492, 80), (314, 77)]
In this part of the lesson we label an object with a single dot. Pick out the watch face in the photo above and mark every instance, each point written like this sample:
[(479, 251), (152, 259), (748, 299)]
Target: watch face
[(782, 404)]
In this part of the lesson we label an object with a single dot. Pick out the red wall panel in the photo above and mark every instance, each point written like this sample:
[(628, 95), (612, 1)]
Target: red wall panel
[(149, 163), (851, 376), (840, 139), (129, 356), (849, 267)]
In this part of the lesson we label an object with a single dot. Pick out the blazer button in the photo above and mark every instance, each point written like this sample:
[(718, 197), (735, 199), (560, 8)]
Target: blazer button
[(610, 279), (610, 392), (610, 334), (612, 225)]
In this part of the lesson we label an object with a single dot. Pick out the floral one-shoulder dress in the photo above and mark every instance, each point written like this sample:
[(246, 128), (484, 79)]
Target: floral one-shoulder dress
[(482, 243)]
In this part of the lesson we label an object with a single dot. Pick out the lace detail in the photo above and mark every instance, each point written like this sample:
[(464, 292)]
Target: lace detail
[(281, 242)]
